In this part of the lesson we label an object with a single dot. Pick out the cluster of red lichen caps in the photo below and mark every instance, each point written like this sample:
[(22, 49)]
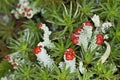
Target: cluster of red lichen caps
[(26, 10), (75, 35), (12, 61), (37, 49), (69, 54), (39, 26), (87, 23), (99, 39)]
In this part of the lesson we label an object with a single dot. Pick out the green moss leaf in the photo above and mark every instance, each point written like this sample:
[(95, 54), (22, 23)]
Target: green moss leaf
[(4, 68)]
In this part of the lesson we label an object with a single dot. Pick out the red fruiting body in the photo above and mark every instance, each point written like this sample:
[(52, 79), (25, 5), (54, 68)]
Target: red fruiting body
[(37, 49), (26, 9), (72, 36), (77, 32), (39, 25), (99, 39), (7, 58), (29, 10), (74, 39), (69, 54), (87, 23)]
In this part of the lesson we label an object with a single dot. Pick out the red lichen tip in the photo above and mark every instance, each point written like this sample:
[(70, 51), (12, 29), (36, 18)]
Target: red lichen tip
[(69, 54), (78, 30), (87, 23), (74, 39), (37, 49), (39, 25), (7, 58), (99, 39)]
